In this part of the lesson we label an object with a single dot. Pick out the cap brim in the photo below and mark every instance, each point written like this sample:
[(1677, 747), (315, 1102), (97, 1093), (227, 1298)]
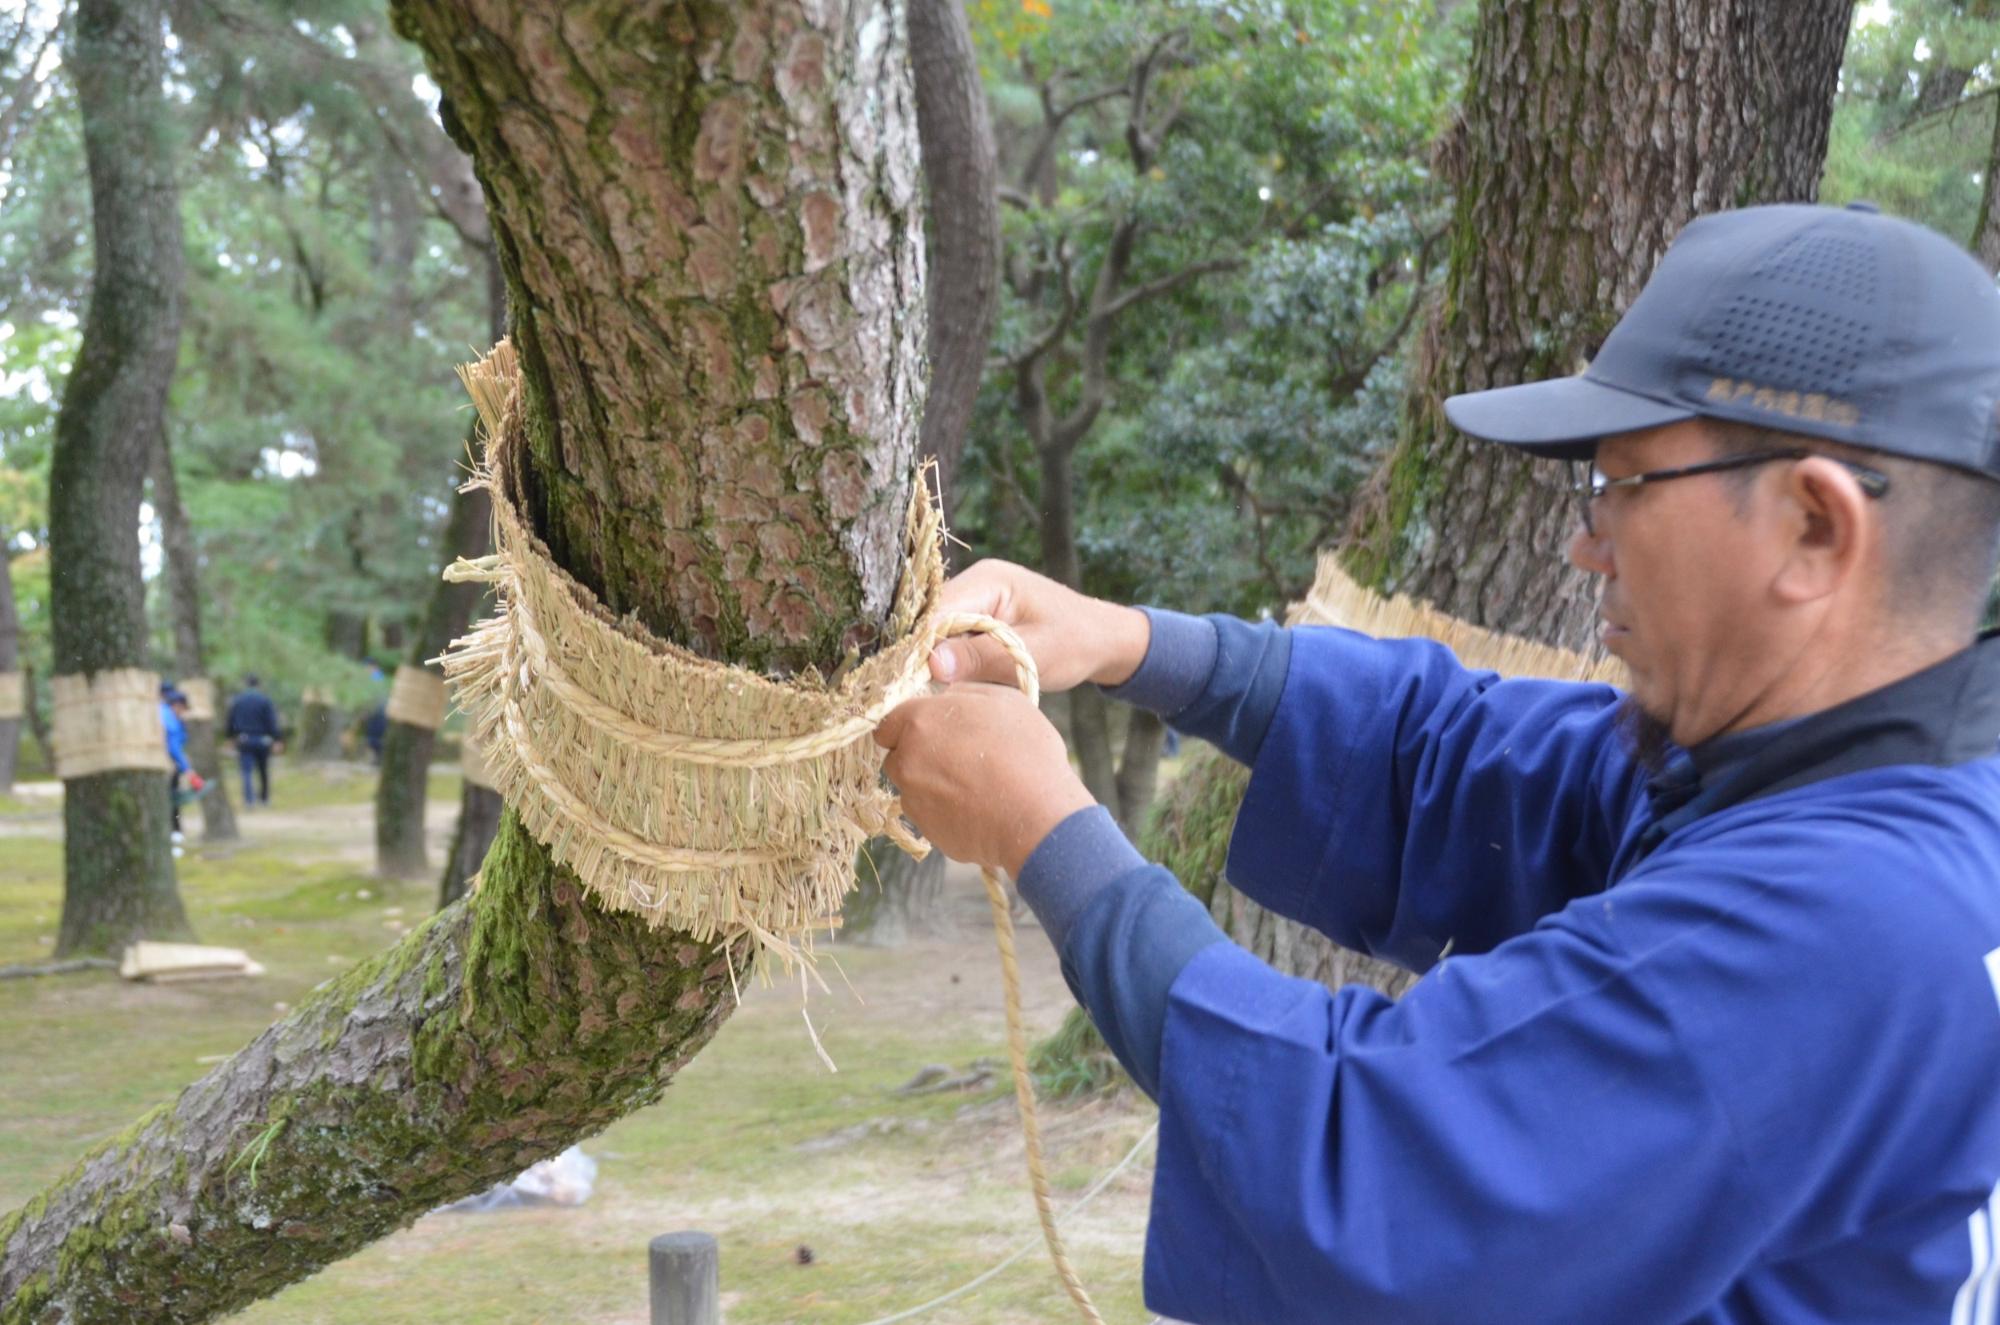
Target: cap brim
[(1562, 419)]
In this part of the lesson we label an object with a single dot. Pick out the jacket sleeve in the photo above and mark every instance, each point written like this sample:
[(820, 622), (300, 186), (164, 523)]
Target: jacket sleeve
[(177, 742), (1524, 1138), (1403, 804)]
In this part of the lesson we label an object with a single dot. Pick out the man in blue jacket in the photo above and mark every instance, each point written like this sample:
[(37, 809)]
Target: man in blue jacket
[(252, 723), (1719, 1036)]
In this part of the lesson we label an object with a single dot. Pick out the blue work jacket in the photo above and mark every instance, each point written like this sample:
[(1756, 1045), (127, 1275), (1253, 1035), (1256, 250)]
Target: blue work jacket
[(1755, 1079)]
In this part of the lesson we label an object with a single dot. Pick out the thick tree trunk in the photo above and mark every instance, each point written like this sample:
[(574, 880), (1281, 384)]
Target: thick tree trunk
[(1590, 137), (962, 189), (709, 224), (402, 790), (118, 875), (218, 819), (10, 661)]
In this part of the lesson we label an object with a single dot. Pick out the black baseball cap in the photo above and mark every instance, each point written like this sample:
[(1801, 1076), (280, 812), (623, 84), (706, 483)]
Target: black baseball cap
[(1830, 322)]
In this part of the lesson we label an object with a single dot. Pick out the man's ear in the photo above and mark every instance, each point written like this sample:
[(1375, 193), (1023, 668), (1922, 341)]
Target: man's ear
[(1829, 527)]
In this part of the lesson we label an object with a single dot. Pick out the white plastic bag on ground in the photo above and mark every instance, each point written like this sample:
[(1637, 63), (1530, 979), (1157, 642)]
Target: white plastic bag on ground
[(567, 1179)]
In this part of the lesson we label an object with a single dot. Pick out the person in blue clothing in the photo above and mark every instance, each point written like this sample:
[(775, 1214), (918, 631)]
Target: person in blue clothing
[(173, 717), (1718, 1037), (252, 723)]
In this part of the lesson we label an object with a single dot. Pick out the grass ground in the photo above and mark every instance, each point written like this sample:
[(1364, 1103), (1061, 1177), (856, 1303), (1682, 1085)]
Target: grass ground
[(898, 1197)]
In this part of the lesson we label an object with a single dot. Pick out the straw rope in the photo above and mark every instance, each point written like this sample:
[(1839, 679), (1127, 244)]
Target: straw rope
[(201, 698), (416, 698), (643, 767), (1336, 600), (108, 721), (13, 694)]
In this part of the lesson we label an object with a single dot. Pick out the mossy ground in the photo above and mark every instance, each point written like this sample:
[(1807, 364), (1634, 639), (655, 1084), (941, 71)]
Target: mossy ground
[(899, 1197)]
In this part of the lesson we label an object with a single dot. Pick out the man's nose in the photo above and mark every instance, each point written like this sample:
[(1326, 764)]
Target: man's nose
[(1590, 552)]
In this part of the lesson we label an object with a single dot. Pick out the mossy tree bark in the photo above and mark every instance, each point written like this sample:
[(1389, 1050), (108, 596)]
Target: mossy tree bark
[(118, 874), (708, 217), (402, 789), (218, 819)]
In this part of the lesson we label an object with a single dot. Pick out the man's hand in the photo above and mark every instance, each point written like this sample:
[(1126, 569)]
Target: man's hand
[(982, 773), (1073, 638)]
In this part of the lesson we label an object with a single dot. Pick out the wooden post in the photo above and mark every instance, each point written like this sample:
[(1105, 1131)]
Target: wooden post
[(687, 1279)]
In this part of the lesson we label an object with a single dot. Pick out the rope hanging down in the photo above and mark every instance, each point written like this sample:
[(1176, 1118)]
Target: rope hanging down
[(646, 769)]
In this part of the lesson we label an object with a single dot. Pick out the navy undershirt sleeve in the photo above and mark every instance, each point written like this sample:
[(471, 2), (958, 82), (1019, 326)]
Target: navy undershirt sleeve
[(1123, 928), (1217, 677)]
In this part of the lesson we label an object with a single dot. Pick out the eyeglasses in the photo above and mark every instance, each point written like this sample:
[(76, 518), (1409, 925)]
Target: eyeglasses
[(1588, 483)]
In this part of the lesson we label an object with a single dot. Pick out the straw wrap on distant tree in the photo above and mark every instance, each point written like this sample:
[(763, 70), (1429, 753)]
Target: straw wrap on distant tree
[(417, 697), (13, 695), (108, 720), (200, 692)]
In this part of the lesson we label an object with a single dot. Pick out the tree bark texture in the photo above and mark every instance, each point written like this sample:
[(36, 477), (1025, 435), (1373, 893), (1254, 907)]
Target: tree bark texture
[(183, 566), (709, 221), (478, 823), (402, 789), (962, 192), (118, 875), (10, 661), (1591, 135)]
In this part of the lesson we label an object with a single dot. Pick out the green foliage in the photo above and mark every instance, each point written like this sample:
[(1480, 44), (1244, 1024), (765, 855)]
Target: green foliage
[(1913, 127), (316, 423), (1244, 404)]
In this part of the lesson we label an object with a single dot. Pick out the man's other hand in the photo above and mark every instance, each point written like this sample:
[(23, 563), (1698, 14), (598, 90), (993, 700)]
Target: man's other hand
[(982, 773), (1073, 638)]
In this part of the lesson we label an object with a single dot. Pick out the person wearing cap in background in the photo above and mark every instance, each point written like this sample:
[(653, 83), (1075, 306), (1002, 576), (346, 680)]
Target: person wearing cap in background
[(1719, 1036), (173, 717)]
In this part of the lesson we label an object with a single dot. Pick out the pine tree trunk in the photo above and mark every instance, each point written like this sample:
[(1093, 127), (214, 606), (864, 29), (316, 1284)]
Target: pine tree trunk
[(218, 819), (709, 224), (403, 787), (118, 875), (962, 191), (1590, 136)]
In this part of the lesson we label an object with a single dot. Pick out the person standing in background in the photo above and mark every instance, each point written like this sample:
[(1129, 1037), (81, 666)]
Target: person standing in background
[(253, 726), (173, 717)]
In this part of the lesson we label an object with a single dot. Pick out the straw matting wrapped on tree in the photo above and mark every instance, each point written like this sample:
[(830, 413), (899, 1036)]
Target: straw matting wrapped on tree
[(721, 374)]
